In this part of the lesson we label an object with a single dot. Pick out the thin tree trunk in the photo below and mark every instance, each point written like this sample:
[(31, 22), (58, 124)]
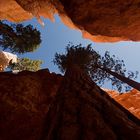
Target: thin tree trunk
[(130, 82)]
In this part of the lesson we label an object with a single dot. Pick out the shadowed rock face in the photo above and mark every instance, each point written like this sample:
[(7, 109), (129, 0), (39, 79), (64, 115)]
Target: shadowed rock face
[(82, 111), (24, 102), (107, 18)]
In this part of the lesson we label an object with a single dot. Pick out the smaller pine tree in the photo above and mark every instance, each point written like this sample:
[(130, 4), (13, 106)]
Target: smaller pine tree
[(18, 38), (26, 64)]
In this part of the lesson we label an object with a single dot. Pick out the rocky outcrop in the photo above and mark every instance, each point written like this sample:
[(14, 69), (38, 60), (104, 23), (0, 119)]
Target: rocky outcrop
[(129, 100), (20, 10), (78, 109), (100, 21), (10, 10), (24, 103), (82, 111), (116, 19)]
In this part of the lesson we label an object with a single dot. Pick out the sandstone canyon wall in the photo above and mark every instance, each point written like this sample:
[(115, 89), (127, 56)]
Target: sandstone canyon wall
[(24, 103), (80, 107), (82, 111), (129, 100), (117, 19), (76, 106), (100, 21)]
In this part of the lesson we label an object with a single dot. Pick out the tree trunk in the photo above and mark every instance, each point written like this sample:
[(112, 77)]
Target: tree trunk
[(130, 82), (82, 111)]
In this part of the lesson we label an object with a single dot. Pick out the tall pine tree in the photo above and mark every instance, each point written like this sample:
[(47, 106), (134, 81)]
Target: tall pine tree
[(97, 67)]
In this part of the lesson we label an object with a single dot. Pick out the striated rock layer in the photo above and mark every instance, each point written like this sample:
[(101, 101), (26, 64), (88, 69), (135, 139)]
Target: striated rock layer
[(98, 20), (130, 100)]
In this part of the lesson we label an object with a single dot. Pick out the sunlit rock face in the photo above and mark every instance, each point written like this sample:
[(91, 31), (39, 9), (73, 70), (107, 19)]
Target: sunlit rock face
[(130, 100), (98, 20), (24, 103), (116, 19), (5, 58), (21, 10), (10, 10)]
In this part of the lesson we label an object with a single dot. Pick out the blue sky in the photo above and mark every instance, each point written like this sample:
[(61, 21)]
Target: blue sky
[(55, 36)]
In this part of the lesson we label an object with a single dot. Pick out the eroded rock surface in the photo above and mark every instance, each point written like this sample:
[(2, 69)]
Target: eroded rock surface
[(110, 18), (24, 103), (99, 20), (78, 109), (130, 100), (82, 111)]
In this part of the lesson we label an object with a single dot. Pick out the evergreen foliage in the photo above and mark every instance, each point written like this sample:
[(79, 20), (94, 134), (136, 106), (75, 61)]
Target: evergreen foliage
[(99, 68), (18, 38), (26, 64)]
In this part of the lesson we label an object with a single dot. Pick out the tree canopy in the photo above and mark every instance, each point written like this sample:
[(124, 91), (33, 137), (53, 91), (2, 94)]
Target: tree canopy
[(26, 64), (19, 38), (77, 55), (99, 68)]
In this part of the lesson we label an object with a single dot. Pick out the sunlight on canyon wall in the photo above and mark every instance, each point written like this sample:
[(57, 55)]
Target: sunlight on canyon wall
[(130, 100), (21, 10)]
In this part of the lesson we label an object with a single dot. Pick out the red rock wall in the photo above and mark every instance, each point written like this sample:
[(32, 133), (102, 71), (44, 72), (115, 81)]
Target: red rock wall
[(130, 100), (107, 18), (24, 103), (82, 111), (25, 99), (98, 20)]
